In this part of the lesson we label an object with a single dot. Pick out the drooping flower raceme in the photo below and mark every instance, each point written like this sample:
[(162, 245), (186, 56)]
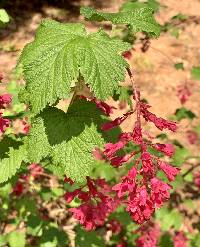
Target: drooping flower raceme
[(140, 191)]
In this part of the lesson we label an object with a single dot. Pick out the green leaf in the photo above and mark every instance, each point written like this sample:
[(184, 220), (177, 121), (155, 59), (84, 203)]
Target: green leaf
[(68, 138), (53, 63), (166, 241), (183, 113), (16, 239), (53, 237), (89, 239), (180, 155), (34, 225), (12, 154), (131, 5), (4, 17), (179, 66), (139, 19), (195, 73)]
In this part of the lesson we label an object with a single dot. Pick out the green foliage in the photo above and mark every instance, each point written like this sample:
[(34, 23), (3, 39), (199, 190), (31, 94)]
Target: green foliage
[(12, 154), (169, 218), (89, 239), (179, 66), (139, 19), (68, 138), (135, 4), (183, 113), (61, 53), (195, 72), (4, 17)]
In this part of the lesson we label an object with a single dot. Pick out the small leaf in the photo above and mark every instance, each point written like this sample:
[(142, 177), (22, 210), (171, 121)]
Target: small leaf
[(183, 113), (195, 73), (131, 5), (139, 19), (179, 66), (16, 239), (4, 17), (180, 155)]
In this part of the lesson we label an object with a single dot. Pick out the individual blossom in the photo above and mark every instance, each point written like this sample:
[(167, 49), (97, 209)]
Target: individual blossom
[(170, 171), (18, 189), (159, 122), (140, 207), (167, 149), (5, 99), (180, 240), (160, 192), (4, 123), (192, 137), (127, 185), (35, 170), (183, 93), (127, 54), (107, 109), (196, 178), (150, 233)]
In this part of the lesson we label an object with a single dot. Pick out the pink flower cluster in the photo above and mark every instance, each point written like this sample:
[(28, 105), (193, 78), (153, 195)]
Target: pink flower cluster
[(150, 233), (180, 240), (5, 100), (140, 190), (97, 202)]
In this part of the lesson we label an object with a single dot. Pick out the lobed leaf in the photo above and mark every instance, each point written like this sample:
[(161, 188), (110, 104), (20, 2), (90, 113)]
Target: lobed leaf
[(60, 53), (68, 138), (139, 19)]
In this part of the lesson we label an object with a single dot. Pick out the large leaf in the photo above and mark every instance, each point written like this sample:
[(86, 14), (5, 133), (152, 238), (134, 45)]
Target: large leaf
[(68, 138), (53, 62), (12, 154), (139, 19)]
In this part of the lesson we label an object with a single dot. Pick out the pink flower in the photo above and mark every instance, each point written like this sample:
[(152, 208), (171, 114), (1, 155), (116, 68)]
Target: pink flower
[(196, 178), (180, 240), (69, 196), (167, 149), (127, 184), (116, 122), (137, 134), (150, 234), (111, 148), (127, 55), (192, 137), (183, 93), (170, 171), (159, 192), (4, 124), (104, 107), (160, 123), (5, 99), (147, 165), (140, 207), (18, 189), (68, 180), (35, 170)]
